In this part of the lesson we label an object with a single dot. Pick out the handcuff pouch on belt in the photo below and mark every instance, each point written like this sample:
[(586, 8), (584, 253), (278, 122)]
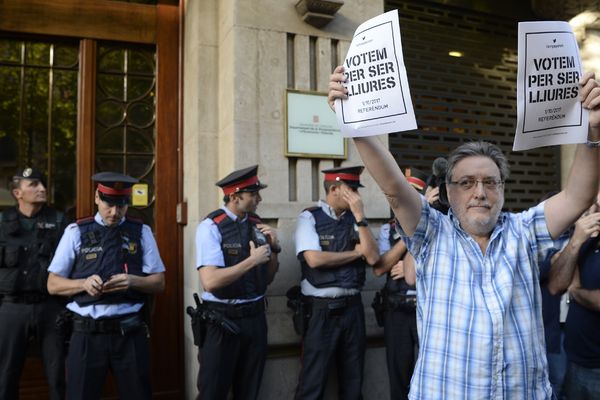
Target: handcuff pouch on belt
[(301, 309), (384, 301), (400, 302), (379, 308), (64, 326)]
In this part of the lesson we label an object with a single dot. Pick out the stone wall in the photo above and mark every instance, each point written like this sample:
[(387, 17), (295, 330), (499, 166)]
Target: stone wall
[(239, 58)]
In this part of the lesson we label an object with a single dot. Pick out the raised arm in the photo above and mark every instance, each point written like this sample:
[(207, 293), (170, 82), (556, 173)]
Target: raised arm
[(368, 246), (410, 270), (403, 199), (581, 188)]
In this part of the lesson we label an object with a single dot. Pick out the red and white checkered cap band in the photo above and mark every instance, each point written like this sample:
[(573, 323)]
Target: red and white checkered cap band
[(114, 192), (342, 177), (236, 187)]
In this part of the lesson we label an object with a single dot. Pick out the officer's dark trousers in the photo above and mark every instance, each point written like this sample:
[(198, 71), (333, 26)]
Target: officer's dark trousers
[(402, 343), (333, 338), (92, 354), (18, 322), (233, 362)]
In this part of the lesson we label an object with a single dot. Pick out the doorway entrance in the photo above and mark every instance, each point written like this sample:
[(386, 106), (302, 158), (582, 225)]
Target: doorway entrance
[(90, 87)]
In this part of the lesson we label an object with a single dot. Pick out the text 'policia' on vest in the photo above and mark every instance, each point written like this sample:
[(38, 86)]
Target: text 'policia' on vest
[(234, 243), (335, 236), (106, 251), (236, 258)]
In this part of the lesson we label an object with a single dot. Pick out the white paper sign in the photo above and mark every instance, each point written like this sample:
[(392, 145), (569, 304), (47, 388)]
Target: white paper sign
[(548, 108), (378, 94)]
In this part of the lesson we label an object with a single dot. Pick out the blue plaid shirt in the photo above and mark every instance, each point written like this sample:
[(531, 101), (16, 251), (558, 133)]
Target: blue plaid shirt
[(480, 316)]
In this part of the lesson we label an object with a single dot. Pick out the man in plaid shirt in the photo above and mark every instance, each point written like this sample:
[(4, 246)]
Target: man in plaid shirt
[(479, 303)]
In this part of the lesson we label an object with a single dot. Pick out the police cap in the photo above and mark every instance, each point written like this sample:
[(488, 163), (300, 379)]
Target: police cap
[(114, 188), (31, 174), (349, 175), (242, 180), (417, 178)]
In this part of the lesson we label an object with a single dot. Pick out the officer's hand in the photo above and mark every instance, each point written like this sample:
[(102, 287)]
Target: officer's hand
[(358, 249), (93, 285), (354, 201), (259, 255), (336, 89), (432, 194), (397, 271), (270, 233), (586, 227), (117, 283)]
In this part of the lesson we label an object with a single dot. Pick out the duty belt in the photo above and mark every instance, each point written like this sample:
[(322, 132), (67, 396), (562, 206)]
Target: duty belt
[(26, 298), (401, 301), (242, 310), (119, 325), (333, 302)]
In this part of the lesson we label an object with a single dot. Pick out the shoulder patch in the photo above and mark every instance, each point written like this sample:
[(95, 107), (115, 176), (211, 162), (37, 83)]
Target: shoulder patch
[(215, 213), (85, 221), (219, 218)]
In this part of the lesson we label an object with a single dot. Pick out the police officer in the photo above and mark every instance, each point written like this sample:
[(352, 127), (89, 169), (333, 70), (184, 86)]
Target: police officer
[(334, 245), (29, 233), (236, 260), (108, 264), (399, 300)]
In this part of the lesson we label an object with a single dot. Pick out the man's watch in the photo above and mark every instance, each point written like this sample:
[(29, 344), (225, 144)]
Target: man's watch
[(362, 222)]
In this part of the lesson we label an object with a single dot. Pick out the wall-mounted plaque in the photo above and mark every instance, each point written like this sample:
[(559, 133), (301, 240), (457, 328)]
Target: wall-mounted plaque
[(311, 127)]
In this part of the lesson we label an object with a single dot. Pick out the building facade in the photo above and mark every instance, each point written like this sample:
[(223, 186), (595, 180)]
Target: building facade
[(181, 92)]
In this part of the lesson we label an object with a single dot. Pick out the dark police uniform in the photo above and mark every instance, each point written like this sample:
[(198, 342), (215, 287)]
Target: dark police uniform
[(400, 322), (27, 245), (109, 331), (336, 327), (399, 303), (582, 341), (233, 360)]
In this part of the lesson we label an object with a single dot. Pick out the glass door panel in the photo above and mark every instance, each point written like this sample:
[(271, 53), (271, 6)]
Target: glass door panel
[(126, 115), (38, 115)]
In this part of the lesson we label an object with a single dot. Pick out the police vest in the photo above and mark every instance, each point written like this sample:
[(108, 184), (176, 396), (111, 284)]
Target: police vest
[(26, 253), (106, 251), (235, 245), (335, 236), (397, 286)]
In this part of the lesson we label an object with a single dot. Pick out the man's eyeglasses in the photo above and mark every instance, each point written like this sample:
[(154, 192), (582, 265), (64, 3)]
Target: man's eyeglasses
[(469, 183)]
